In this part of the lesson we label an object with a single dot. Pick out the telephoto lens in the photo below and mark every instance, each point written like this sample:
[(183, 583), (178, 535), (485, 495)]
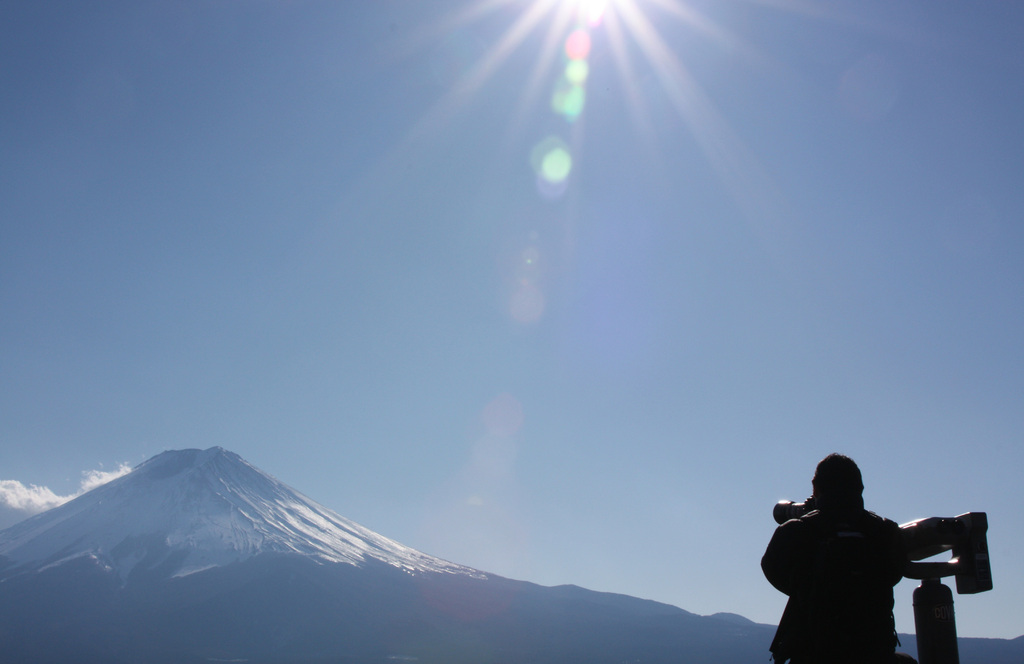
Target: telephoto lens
[(785, 510)]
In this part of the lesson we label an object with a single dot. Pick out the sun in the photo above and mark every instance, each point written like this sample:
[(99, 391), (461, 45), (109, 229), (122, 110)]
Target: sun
[(592, 11)]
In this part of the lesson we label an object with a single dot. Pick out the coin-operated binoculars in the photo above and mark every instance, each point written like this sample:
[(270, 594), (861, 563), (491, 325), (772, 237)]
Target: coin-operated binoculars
[(934, 619)]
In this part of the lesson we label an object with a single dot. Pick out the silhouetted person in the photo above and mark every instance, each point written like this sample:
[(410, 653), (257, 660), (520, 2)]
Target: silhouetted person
[(838, 564)]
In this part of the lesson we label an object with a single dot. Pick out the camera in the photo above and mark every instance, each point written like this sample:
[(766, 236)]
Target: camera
[(786, 510)]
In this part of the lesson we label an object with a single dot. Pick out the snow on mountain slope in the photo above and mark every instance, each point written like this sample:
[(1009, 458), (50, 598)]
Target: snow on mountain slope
[(187, 510)]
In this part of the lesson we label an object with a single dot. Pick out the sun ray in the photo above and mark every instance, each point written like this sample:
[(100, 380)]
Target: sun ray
[(707, 27), (508, 43), (469, 14), (623, 60), (542, 65), (739, 170), (445, 108)]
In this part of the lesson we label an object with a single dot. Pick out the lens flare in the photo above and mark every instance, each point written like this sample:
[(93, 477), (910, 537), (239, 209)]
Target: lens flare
[(551, 159), (568, 100), (577, 45), (551, 191), (556, 165), (503, 416), (527, 303), (576, 71)]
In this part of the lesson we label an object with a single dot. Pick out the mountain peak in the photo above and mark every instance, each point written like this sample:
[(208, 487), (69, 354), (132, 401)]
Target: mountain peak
[(183, 511), (188, 458), (173, 463)]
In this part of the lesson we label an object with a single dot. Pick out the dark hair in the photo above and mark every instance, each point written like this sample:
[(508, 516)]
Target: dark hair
[(837, 479)]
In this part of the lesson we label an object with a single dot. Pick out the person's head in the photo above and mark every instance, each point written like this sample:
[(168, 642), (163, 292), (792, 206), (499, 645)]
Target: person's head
[(837, 483)]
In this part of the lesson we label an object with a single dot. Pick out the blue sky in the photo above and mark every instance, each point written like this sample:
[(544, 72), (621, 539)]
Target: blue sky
[(315, 234)]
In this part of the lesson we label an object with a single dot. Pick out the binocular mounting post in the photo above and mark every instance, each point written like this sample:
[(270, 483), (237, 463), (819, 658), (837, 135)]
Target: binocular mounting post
[(934, 618)]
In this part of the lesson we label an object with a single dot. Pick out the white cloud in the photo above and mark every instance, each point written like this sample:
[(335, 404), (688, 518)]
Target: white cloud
[(94, 478), (29, 499), (18, 501)]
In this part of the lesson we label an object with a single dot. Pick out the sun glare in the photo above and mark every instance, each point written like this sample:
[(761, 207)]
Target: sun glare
[(573, 29), (592, 11), (576, 36)]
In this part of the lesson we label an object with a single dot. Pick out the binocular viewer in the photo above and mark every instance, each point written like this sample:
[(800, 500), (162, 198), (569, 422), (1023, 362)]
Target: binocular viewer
[(964, 535)]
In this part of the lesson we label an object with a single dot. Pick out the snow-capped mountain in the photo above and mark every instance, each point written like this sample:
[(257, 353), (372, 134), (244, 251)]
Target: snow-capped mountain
[(189, 510)]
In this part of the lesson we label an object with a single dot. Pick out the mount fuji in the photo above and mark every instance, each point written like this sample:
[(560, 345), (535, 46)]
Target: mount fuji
[(185, 511), (198, 556)]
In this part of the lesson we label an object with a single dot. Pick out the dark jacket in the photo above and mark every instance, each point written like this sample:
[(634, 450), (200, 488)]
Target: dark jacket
[(838, 567)]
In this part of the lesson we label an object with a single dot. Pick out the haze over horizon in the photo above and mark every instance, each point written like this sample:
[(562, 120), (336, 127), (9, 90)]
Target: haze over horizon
[(565, 323)]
